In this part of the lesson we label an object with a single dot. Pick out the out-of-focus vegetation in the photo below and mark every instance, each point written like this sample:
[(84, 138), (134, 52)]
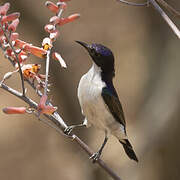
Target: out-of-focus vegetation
[(147, 80)]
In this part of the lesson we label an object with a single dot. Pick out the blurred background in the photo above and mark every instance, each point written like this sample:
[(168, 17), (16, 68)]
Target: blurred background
[(147, 80)]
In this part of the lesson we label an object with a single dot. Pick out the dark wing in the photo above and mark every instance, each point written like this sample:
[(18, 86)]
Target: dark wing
[(114, 105)]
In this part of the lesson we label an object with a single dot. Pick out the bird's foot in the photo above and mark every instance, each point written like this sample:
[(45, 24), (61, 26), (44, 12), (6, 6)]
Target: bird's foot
[(69, 129), (95, 156)]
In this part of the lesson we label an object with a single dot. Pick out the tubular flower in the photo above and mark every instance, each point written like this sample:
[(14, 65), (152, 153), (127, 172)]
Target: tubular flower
[(45, 109), (14, 110)]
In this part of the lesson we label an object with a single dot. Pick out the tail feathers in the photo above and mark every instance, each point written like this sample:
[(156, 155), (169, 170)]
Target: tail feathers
[(128, 149)]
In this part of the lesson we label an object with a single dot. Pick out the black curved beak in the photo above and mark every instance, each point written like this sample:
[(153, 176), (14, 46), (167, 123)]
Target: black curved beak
[(86, 46)]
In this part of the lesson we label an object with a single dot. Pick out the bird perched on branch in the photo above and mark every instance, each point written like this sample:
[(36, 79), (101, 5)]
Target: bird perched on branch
[(99, 100)]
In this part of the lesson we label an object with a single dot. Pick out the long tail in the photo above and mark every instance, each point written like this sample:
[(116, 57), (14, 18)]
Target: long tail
[(128, 149)]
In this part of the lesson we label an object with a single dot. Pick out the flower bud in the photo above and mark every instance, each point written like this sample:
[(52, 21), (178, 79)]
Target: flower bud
[(14, 110), (4, 9)]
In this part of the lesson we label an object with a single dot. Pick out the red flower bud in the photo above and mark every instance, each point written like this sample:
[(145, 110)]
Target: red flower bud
[(54, 20), (54, 35), (14, 110), (14, 36), (52, 7), (63, 0), (62, 5), (12, 27), (4, 9), (1, 32), (10, 17), (68, 19), (45, 109), (49, 28)]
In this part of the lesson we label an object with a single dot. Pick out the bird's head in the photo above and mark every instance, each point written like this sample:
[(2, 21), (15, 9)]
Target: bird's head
[(101, 55)]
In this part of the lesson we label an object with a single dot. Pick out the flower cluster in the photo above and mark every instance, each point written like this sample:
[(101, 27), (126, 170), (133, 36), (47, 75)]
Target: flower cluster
[(19, 51)]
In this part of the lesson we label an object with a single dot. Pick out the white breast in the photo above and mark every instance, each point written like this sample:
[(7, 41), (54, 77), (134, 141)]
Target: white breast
[(92, 104)]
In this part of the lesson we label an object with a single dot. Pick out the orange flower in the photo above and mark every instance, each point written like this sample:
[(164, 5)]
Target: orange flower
[(39, 52), (19, 43), (30, 70)]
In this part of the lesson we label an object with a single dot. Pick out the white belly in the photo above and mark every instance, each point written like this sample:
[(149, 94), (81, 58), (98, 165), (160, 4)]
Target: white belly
[(92, 104)]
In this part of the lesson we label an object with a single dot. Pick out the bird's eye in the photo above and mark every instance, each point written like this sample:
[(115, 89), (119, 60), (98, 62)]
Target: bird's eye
[(94, 53)]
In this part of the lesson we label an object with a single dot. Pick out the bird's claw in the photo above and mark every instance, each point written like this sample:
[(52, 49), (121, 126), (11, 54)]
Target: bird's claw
[(68, 130), (95, 157)]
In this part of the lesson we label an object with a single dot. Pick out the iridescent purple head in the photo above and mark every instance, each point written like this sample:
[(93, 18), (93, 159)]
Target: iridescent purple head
[(101, 55)]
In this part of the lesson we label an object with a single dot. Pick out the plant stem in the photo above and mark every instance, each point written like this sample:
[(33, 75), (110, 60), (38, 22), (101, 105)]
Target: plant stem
[(60, 126)]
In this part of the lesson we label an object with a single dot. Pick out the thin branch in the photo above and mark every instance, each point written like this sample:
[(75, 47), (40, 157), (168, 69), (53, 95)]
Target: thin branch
[(47, 71), (163, 14), (17, 59), (60, 127), (48, 59), (166, 18), (169, 8), (134, 4)]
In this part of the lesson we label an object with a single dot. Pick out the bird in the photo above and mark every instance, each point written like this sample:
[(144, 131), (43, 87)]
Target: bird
[(99, 100)]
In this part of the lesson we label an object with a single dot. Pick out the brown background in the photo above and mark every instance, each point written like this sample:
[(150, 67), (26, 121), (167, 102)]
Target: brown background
[(147, 80)]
